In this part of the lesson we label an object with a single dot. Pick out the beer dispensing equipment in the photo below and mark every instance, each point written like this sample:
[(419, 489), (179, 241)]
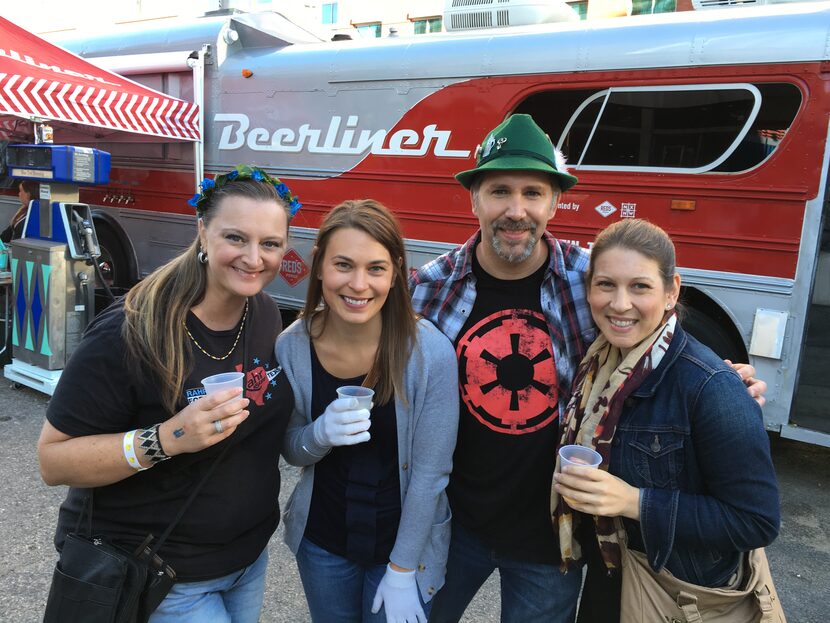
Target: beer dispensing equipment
[(53, 264)]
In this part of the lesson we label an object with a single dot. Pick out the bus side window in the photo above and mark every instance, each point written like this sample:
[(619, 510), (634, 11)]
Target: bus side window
[(552, 110), (779, 105), (690, 129)]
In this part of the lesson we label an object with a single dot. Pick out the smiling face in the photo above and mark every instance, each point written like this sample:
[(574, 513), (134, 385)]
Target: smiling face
[(628, 296), (356, 274), (513, 209), (244, 240)]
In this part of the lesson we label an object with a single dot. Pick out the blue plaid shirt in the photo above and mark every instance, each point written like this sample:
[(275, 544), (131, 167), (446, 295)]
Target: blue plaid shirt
[(444, 291)]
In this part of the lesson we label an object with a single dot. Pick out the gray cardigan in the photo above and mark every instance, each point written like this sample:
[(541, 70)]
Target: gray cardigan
[(427, 424)]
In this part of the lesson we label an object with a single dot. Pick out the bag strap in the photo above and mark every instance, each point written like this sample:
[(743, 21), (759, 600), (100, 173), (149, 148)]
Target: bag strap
[(183, 508), (688, 605), (765, 604), (86, 509), (89, 501), (210, 470), (187, 503), (622, 533)]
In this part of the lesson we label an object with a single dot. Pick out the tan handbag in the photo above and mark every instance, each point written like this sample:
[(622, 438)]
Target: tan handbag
[(649, 597)]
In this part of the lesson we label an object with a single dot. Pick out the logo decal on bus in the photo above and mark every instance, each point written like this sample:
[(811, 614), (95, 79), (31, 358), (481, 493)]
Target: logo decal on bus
[(238, 133), (606, 209), (293, 268), (628, 210)]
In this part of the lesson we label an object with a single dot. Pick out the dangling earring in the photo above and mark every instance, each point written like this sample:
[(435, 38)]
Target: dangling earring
[(202, 256)]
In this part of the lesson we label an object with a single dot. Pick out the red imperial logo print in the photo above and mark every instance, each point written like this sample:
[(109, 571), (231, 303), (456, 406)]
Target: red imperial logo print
[(507, 372)]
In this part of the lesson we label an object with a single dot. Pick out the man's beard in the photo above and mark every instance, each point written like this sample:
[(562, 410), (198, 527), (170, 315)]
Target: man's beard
[(517, 253)]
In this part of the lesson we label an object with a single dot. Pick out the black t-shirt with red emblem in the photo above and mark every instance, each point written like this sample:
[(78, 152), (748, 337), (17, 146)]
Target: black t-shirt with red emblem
[(508, 429), (232, 518)]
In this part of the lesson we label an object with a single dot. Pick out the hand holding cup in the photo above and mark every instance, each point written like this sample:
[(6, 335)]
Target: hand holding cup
[(594, 491), (578, 456), (345, 422), (194, 428)]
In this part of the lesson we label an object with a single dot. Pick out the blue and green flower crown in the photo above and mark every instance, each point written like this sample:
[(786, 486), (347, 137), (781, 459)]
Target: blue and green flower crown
[(242, 172)]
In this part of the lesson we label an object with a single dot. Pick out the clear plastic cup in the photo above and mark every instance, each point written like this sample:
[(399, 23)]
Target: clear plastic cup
[(363, 395), (578, 456), (225, 380)]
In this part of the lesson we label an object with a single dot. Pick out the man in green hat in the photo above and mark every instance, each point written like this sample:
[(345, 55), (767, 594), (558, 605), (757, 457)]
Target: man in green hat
[(513, 296), (513, 300)]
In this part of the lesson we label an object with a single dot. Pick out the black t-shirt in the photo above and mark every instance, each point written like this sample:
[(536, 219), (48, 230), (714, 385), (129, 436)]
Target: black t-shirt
[(356, 500), (508, 427), (234, 515)]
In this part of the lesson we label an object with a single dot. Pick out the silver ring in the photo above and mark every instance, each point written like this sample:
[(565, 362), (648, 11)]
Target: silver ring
[(217, 424)]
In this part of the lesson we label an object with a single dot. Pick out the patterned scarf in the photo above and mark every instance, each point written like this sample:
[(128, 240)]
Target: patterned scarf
[(603, 382)]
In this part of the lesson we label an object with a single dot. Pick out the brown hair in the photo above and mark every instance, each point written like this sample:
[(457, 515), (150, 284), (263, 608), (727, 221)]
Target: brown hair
[(30, 187), (398, 320), (641, 236), (33, 190), (156, 308)]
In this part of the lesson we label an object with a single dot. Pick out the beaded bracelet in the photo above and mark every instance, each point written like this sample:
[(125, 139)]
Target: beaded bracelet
[(151, 445), (129, 451)]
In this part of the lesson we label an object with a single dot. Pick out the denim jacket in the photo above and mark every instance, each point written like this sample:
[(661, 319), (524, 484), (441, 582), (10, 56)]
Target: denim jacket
[(692, 439)]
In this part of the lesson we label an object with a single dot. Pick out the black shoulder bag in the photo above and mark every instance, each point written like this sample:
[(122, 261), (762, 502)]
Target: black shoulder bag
[(99, 582)]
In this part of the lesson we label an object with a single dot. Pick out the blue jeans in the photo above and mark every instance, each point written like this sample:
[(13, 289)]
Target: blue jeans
[(530, 592), (338, 590), (233, 598)]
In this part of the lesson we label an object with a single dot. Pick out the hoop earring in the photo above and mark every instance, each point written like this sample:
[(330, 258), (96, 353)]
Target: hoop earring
[(202, 257)]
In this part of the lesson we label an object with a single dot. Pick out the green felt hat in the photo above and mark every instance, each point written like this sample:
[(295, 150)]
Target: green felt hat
[(517, 144)]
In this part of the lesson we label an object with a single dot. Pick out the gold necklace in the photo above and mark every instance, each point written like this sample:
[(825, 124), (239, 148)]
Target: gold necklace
[(235, 342)]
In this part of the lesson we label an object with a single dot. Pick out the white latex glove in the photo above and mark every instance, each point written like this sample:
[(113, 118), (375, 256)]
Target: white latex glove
[(342, 424), (398, 594)]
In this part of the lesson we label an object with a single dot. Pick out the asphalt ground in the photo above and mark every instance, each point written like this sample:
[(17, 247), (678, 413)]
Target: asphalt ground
[(800, 558)]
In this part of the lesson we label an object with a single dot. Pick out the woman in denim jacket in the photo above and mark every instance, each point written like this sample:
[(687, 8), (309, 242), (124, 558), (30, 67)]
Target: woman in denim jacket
[(686, 461)]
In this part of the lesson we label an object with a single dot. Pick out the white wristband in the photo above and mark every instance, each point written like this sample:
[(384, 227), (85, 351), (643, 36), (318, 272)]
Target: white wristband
[(129, 451)]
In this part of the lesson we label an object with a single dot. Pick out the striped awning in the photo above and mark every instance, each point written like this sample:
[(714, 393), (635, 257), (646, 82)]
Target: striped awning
[(42, 82)]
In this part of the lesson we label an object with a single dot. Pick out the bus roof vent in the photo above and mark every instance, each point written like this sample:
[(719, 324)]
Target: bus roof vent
[(461, 15)]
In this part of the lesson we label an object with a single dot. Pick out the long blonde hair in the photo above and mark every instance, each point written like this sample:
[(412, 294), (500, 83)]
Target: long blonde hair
[(156, 308), (398, 320)]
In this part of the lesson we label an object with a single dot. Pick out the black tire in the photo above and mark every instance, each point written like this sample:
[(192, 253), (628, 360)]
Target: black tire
[(114, 264), (713, 334)]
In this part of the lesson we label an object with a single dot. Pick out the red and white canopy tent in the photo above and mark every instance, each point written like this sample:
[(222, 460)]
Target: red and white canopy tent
[(40, 82)]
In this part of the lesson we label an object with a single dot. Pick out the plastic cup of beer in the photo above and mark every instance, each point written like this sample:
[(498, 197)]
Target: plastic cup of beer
[(363, 395), (225, 380), (578, 456)]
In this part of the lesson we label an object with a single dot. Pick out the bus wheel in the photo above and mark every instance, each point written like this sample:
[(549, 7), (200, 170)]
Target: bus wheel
[(115, 268), (714, 335)]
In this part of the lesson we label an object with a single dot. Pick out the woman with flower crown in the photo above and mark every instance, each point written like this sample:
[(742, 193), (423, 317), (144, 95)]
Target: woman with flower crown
[(130, 418)]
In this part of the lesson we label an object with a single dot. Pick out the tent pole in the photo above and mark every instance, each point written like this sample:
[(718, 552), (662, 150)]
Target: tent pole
[(197, 64)]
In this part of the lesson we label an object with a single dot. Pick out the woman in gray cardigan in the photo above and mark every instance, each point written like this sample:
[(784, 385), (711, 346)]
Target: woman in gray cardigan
[(369, 520)]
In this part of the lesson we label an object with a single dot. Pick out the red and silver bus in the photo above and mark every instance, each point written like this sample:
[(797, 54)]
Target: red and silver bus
[(712, 124)]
